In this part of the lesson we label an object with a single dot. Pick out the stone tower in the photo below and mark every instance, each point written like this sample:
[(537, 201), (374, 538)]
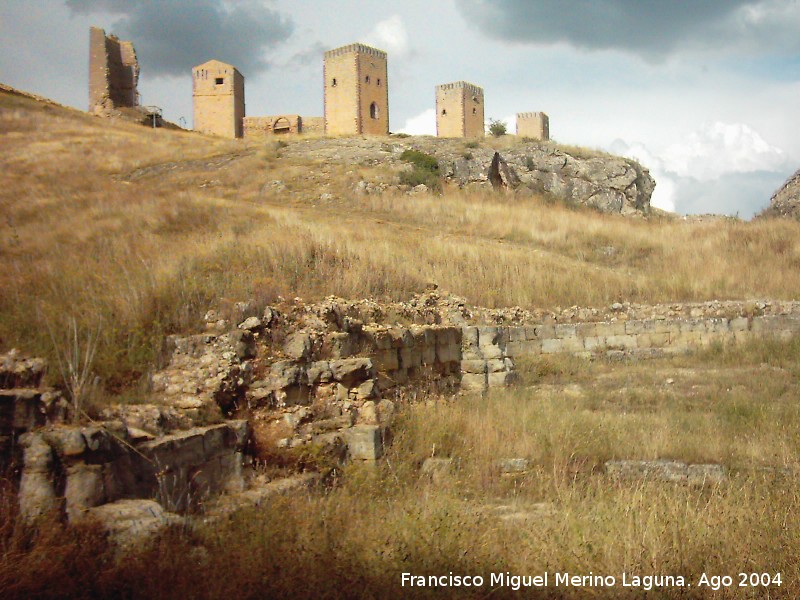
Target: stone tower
[(113, 72), (459, 110), (534, 125), (218, 96), (356, 91)]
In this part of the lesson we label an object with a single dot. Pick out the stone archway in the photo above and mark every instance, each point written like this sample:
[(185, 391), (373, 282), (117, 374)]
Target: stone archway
[(281, 126)]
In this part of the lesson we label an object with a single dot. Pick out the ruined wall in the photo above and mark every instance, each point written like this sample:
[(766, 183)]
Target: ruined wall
[(634, 338), (459, 110), (218, 97), (356, 91), (260, 127), (314, 125), (74, 469), (535, 125), (113, 73)]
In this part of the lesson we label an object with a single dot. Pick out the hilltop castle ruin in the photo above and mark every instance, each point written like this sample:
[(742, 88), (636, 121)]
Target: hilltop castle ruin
[(218, 99), (113, 73), (356, 96), (356, 91), (534, 125), (459, 110)]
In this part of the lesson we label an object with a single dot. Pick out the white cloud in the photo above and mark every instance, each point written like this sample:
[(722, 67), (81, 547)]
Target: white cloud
[(719, 148), (722, 167), (511, 123), (664, 195), (390, 35), (422, 124)]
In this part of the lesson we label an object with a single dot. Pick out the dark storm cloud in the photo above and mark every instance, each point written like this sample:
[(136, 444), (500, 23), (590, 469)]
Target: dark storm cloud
[(172, 37), (645, 27)]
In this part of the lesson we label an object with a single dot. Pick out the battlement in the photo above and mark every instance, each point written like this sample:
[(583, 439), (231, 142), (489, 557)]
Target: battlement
[(530, 115), (470, 87), (356, 48), (356, 91), (534, 125), (459, 110)]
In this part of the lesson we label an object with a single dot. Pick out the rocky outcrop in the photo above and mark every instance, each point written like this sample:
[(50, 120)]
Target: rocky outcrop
[(574, 175), (604, 182), (786, 201), (24, 404), (77, 468)]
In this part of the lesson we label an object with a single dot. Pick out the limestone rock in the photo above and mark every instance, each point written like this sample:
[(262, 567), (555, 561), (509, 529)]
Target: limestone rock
[(251, 324), (513, 465), (37, 494), (19, 371), (350, 371), (584, 177), (129, 523), (298, 345), (364, 442), (785, 202), (501, 176)]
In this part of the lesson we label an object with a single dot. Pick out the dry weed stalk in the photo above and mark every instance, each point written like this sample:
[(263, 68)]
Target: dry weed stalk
[(75, 359)]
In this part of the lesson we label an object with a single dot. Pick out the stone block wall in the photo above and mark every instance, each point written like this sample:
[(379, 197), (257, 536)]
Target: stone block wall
[(459, 110), (25, 404), (77, 468), (218, 99), (360, 364), (113, 73), (356, 89), (535, 125), (261, 127), (641, 338)]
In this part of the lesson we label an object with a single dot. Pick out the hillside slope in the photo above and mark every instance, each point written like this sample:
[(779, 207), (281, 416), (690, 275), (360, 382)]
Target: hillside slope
[(130, 233)]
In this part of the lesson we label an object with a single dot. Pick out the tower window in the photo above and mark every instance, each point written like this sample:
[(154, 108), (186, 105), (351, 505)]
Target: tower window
[(374, 113), (378, 82), (219, 80), (333, 82), (474, 111), (444, 112), (366, 79)]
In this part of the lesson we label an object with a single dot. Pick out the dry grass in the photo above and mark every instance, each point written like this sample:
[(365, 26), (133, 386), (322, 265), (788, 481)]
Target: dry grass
[(355, 540), (90, 235)]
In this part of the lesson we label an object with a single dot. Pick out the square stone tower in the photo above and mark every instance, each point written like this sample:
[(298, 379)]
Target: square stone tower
[(534, 125), (356, 91), (113, 72), (218, 96), (459, 110)]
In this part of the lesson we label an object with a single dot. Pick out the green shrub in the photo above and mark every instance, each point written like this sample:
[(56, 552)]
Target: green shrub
[(497, 128), (420, 160), (425, 171)]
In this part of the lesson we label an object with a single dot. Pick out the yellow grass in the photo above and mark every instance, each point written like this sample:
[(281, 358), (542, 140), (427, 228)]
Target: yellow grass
[(88, 235), (733, 406)]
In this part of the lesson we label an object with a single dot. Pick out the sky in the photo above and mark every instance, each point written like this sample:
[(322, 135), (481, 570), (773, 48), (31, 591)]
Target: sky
[(704, 93)]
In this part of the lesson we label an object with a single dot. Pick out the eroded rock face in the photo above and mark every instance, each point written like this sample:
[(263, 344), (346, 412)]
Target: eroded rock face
[(602, 181), (786, 201)]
